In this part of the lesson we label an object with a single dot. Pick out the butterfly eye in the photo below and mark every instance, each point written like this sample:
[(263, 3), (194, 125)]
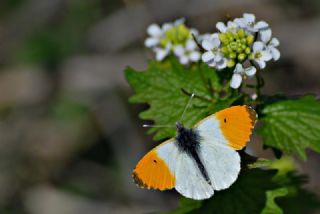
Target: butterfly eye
[(225, 120), (154, 161)]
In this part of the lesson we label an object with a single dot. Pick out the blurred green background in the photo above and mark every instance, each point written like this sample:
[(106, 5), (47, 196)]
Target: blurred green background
[(68, 137)]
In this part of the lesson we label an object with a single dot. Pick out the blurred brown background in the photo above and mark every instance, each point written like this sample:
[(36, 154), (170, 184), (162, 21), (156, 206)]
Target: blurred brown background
[(68, 137)]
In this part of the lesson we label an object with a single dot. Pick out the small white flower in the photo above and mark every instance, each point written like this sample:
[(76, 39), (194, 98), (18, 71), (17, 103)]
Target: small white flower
[(223, 28), (202, 37), (248, 22), (169, 25), (155, 33), (240, 72), (271, 46), (260, 55), (173, 38), (161, 53), (213, 57), (187, 54)]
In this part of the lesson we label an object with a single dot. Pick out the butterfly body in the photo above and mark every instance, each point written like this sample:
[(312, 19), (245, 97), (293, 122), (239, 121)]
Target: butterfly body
[(201, 159), (188, 141)]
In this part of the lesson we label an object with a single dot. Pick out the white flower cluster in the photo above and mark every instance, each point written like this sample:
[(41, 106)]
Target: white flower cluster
[(173, 38), (242, 44)]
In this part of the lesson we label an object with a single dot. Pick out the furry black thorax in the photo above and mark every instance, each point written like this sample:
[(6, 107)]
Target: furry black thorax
[(188, 141)]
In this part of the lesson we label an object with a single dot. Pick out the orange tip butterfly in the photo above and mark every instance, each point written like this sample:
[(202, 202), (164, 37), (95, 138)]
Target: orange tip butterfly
[(199, 160)]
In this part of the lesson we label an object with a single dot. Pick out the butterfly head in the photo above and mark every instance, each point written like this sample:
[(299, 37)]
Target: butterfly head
[(179, 126)]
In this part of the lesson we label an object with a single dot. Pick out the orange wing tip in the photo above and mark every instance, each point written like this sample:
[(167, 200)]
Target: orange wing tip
[(138, 181), (236, 124), (153, 173), (252, 114), (141, 184)]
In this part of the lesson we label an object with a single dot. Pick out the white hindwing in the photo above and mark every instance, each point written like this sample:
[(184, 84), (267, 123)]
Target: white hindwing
[(190, 182), (221, 162)]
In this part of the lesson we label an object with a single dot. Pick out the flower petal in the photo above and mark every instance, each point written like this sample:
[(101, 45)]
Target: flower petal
[(208, 57), (203, 37), (194, 56), (161, 53), (212, 64), (207, 44), (179, 50), (275, 53), (221, 27), (179, 21), (232, 24), (239, 69), (239, 22), (154, 30), (166, 26), (265, 55), (236, 81), (214, 36), (194, 32), (183, 59), (261, 25), (251, 71), (249, 18), (260, 63), (265, 35), (221, 64), (218, 58), (274, 42), (151, 42), (258, 46), (191, 45)]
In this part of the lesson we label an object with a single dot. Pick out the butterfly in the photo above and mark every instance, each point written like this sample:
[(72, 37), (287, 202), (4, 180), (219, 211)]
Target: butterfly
[(199, 160)]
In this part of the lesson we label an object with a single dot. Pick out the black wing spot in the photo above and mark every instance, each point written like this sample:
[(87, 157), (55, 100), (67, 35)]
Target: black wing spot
[(225, 120), (154, 161)]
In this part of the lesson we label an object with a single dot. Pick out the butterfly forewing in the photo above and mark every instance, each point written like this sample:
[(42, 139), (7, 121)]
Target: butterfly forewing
[(156, 169), (231, 126)]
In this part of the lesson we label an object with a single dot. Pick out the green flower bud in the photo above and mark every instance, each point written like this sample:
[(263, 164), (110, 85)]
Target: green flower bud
[(241, 33), (250, 39), (231, 63), (224, 50), (223, 38), (230, 36), (248, 50), (241, 56), (239, 50), (233, 46), (232, 55)]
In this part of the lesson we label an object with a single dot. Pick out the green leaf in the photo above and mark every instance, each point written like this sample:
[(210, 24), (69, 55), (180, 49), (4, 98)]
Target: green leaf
[(292, 125), (276, 190), (246, 196), (271, 206), (167, 87), (296, 200)]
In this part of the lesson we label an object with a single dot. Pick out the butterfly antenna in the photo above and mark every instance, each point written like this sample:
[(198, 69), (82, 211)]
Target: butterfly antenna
[(187, 106), (157, 126)]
